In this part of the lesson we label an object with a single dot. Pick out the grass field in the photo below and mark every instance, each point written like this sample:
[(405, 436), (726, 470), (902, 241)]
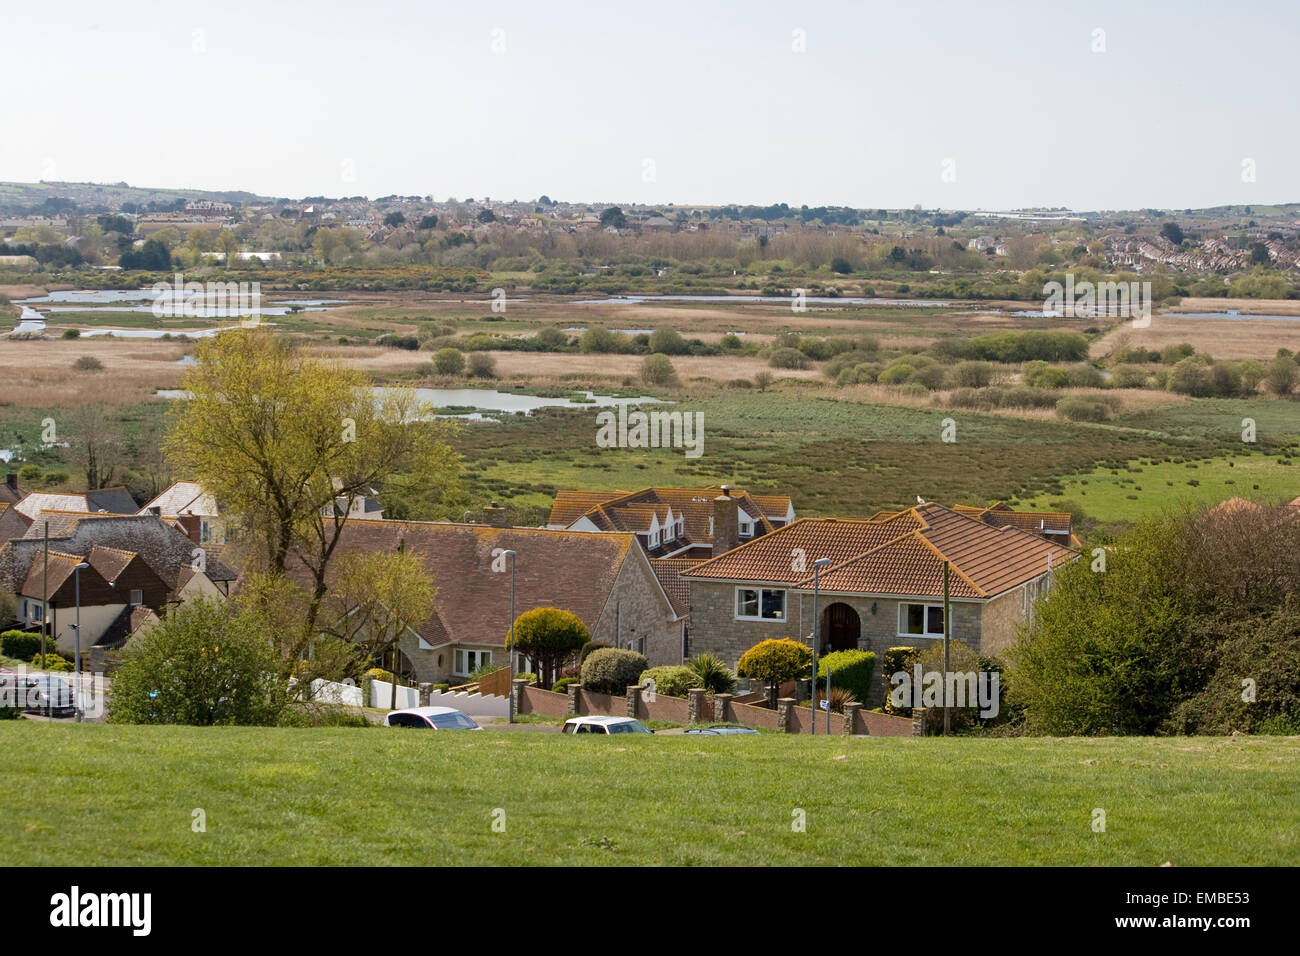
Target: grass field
[(106, 794)]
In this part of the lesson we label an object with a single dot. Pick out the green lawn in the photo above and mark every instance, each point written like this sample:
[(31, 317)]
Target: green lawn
[(105, 794)]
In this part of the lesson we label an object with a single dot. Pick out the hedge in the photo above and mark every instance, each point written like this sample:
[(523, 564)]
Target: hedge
[(851, 670), (672, 680), (897, 659), (20, 645)]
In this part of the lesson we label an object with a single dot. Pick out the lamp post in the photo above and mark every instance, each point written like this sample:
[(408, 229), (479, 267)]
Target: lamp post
[(510, 650), (817, 572), (76, 700)]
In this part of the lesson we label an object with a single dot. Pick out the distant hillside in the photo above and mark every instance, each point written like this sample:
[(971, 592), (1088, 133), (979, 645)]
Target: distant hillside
[(19, 198)]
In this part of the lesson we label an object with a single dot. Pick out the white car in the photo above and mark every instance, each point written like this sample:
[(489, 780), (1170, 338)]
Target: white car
[(605, 725), (430, 718)]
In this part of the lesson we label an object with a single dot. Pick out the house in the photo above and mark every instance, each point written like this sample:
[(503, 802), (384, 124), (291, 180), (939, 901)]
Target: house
[(107, 500), (1052, 525), (187, 506), (10, 493), (674, 522), (883, 587), (603, 578), (133, 561)]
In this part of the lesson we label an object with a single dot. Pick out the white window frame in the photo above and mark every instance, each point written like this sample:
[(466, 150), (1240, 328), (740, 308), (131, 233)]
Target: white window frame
[(466, 660), (759, 617), (137, 597), (903, 605)]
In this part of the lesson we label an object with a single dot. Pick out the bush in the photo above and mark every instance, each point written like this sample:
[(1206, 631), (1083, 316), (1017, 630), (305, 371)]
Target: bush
[(788, 358), (897, 660), (598, 339), (71, 334), (1074, 409), (838, 697), (850, 669), (1190, 377), (1042, 375), (668, 341), (711, 674), (1129, 376), (448, 362), (970, 374), (20, 645), (482, 365), (658, 370), (611, 670), (673, 680), (52, 662), (560, 685), (550, 637), (1085, 376), (205, 664), (896, 374), (776, 661), (88, 363), (587, 649)]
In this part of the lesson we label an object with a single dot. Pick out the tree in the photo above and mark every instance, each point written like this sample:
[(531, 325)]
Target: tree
[(668, 341), (152, 256), (775, 661), (549, 637), (448, 361), (841, 265), (394, 219), (228, 245), (1173, 232), (96, 444), (763, 380), (1281, 376), (658, 370), (613, 216), (379, 597), (486, 215), (428, 222), (482, 365), (287, 445), (205, 663)]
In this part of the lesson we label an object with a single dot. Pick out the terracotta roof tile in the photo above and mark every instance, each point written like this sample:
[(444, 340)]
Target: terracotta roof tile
[(678, 590)]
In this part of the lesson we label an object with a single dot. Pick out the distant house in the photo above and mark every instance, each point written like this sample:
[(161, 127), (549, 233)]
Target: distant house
[(105, 500), (186, 505), (134, 561), (605, 579), (675, 522), (883, 588)]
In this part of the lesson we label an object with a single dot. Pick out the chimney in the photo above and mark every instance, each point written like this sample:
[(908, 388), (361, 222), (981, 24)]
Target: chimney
[(726, 522), (11, 480), (495, 515)]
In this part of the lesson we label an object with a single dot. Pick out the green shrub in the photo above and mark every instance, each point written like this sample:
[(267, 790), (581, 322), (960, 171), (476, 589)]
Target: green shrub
[(1131, 376), (776, 661), (1042, 375), (897, 659), (658, 370), (550, 637), (587, 649), (482, 365), (560, 685), (896, 374), (448, 362), (52, 662), (788, 358), (712, 674), (672, 680), (850, 669), (612, 670), (20, 645), (1075, 409), (88, 363)]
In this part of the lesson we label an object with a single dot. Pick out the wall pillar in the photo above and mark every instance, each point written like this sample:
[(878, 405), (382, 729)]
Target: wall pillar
[(633, 699), (425, 690), (918, 721), (695, 704), (851, 717), (803, 688), (517, 686), (573, 691), (721, 702), (783, 707)]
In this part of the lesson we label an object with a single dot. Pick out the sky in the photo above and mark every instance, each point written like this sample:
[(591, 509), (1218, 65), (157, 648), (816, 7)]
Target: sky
[(961, 105)]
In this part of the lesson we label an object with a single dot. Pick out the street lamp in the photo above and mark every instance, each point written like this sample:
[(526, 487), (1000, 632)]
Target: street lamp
[(817, 572), (76, 702), (510, 650)]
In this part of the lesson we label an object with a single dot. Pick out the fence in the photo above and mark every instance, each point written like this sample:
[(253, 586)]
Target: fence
[(699, 708), (381, 695)]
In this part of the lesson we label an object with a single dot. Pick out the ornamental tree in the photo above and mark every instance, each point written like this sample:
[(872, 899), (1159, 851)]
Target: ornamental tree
[(549, 637), (775, 661)]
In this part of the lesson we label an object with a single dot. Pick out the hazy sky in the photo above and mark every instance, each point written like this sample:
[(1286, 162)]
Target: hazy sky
[(664, 101)]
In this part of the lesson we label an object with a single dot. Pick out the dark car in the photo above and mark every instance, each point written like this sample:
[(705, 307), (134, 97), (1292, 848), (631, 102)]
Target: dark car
[(38, 694), (719, 731)]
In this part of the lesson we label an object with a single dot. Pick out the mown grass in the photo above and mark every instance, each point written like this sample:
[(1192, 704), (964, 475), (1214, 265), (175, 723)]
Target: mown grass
[(105, 794)]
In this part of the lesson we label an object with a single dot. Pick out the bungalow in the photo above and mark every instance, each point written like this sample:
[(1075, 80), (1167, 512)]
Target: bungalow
[(883, 587), (602, 578), (675, 522)]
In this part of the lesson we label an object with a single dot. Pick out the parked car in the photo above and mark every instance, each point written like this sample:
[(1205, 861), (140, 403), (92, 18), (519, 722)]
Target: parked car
[(719, 731), (38, 694), (431, 718), (604, 725)]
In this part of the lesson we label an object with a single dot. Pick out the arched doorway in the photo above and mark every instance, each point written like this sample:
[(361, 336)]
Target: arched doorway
[(841, 627)]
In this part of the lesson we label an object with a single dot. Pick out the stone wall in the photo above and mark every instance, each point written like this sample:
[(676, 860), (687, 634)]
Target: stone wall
[(638, 601)]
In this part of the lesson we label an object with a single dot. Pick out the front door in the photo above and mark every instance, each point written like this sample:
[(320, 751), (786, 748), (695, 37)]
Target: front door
[(841, 628)]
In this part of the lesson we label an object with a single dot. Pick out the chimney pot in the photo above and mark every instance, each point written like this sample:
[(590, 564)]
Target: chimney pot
[(11, 480)]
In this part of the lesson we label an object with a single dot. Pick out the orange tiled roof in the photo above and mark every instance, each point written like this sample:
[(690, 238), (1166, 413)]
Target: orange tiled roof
[(667, 570), (901, 554), (1000, 514)]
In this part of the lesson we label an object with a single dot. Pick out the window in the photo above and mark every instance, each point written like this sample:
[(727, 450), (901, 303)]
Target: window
[(38, 612), (681, 527), (640, 646), (452, 722), (760, 604), (137, 596), (205, 531), (925, 620), (466, 662), (654, 542), (746, 529)]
